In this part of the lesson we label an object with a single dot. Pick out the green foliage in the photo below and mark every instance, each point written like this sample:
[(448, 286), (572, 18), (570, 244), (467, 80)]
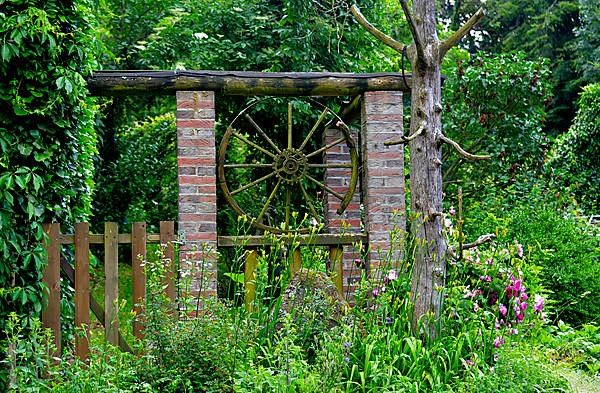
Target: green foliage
[(519, 369), (141, 184), (588, 42), (47, 140), (573, 161), (495, 105), (565, 249)]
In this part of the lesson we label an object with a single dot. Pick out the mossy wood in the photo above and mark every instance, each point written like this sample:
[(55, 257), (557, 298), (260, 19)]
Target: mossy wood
[(245, 83)]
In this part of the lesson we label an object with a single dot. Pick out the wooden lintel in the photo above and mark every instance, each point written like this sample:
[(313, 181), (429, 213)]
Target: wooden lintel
[(245, 83), (311, 240)]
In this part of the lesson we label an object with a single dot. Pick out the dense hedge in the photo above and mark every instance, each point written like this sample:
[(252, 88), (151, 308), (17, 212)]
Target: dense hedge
[(574, 158), (47, 139)]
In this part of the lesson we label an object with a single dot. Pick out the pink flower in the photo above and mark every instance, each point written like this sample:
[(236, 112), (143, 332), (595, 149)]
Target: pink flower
[(519, 250), (452, 211), (469, 362), (375, 292), (538, 303), (476, 307), (513, 331), (523, 306), (498, 341), (392, 275), (485, 278), (520, 317), (503, 309), (524, 296)]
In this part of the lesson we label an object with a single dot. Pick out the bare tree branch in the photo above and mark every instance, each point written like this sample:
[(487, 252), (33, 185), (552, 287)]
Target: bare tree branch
[(460, 33), (480, 240), (386, 39), (462, 151), (413, 30), (403, 139)]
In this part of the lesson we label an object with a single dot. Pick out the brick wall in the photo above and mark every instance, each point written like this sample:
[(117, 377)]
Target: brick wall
[(197, 189), (350, 221), (383, 177)]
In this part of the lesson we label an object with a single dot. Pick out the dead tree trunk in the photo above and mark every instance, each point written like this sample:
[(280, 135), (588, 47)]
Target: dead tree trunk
[(425, 142)]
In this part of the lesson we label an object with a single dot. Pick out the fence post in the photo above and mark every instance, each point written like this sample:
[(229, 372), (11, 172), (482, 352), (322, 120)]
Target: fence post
[(167, 236), (138, 255), (82, 289), (111, 283), (250, 264), (336, 267), (51, 314)]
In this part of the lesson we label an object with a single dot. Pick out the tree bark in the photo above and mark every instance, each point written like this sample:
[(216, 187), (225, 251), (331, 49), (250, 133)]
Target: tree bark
[(429, 268)]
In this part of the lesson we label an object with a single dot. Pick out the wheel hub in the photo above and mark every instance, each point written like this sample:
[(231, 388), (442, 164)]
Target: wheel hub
[(290, 165)]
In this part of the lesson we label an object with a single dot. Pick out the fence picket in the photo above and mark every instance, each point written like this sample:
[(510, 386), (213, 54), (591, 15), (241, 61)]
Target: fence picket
[(138, 255), (82, 289), (111, 283), (167, 236), (51, 314)]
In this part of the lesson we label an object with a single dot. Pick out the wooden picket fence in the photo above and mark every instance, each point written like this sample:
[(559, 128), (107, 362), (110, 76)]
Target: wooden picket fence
[(79, 276)]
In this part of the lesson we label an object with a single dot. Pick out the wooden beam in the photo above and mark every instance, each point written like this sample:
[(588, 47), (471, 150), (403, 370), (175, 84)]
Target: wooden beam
[(244, 83)]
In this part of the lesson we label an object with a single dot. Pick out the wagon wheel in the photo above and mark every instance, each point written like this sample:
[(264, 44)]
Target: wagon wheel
[(281, 175)]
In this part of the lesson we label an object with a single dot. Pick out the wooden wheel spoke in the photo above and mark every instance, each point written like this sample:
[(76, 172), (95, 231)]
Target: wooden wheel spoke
[(262, 133), (253, 165), (255, 182), (311, 207), (326, 188), (335, 165), (314, 128), (269, 200), (254, 145), (288, 208), (327, 147)]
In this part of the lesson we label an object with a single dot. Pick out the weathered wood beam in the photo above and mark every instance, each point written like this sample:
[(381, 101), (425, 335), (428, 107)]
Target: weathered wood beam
[(108, 83)]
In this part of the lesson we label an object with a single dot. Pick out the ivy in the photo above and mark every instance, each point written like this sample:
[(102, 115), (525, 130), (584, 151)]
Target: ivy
[(47, 140)]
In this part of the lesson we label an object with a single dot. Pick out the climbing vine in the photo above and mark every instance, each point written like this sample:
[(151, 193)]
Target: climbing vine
[(47, 140)]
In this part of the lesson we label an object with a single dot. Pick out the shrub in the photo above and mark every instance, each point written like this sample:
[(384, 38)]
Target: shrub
[(574, 157)]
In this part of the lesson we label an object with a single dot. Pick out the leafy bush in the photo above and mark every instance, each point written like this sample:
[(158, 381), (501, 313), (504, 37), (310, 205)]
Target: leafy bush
[(574, 157), (47, 141), (496, 105), (563, 247), (141, 184)]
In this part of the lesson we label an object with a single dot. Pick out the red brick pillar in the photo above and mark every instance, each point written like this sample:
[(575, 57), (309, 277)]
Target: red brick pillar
[(197, 189), (349, 221), (383, 178)]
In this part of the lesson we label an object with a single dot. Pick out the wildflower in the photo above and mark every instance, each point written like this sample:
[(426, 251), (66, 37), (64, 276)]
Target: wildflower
[(375, 292), (519, 250), (347, 345), (314, 222), (469, 362), (347, 359), (520, 318), (523, 306), (489, 261), (498, 341), (538, 304), (524, 296), (359, 263), (503, 309), (392, 275), (497, 324), (452, 211), (485, 278), (513, 331), (388, 320), (476, 307)]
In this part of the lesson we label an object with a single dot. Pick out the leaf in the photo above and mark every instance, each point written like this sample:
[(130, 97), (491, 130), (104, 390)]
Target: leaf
[(5, 52)]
